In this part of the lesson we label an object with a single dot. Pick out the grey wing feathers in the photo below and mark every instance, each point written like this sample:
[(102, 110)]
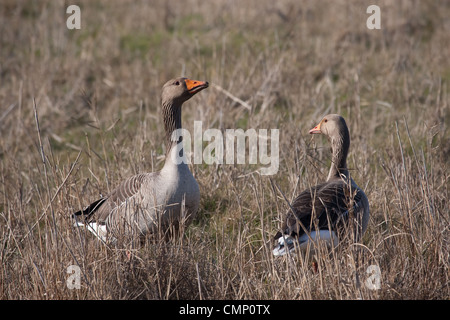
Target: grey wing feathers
[(100, 209), (127, 188), (320, 207)]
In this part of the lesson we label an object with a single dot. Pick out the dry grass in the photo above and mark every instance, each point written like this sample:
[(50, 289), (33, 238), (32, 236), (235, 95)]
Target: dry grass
[(96, 93)]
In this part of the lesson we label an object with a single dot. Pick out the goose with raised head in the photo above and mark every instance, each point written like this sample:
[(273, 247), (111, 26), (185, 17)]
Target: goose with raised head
[(328, 210), (152, 202)]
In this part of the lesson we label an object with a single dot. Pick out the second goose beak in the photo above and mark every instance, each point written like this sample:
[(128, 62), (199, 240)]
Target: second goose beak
[(316, 129)]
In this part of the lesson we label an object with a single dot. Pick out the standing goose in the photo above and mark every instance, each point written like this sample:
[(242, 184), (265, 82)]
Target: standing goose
[(327, 210), (157, 201)]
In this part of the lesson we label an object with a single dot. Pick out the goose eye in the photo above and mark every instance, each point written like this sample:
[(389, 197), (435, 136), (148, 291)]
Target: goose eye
[(325, 120), (177, 83)]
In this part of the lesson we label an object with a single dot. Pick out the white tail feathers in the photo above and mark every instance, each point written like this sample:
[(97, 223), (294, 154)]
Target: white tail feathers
[(287, 243), (99, 230)]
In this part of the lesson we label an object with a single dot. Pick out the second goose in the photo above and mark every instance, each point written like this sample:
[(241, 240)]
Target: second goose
[(326, 211)]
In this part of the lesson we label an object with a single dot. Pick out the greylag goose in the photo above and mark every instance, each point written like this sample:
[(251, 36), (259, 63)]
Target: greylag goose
[(157, 201), (326, 211)]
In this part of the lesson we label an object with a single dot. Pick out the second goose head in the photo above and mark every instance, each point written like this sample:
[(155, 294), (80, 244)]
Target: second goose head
[(333, 126)]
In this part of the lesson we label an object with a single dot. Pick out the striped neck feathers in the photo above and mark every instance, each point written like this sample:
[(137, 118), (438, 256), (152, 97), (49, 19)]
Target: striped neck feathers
[(340, 144), (171, 112)]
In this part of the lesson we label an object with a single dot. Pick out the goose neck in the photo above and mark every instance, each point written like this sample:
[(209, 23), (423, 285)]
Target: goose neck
[(172, 124), (339, 148)]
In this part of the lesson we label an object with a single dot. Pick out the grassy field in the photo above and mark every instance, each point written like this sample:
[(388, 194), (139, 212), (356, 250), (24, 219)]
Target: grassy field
[(80, 111)]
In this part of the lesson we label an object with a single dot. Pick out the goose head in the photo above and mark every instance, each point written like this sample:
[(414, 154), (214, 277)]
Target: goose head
[(179, 90), (174, 93)]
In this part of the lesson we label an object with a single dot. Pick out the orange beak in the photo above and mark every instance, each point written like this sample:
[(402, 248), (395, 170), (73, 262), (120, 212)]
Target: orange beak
[(316, 129), (195, 86)]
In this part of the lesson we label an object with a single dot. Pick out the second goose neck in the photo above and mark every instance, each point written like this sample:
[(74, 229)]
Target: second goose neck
[(339, 148)]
